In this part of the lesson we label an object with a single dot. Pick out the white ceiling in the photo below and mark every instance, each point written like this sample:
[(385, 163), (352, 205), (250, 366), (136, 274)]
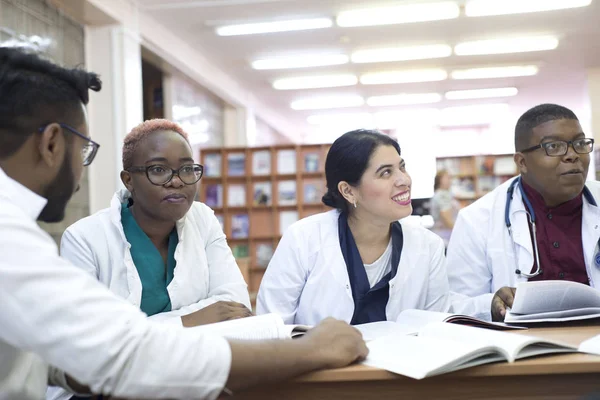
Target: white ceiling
[(561, 78)]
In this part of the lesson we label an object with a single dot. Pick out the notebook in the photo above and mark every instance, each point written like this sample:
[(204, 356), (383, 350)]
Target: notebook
[(553, 301), (440, 348), (262, 327)]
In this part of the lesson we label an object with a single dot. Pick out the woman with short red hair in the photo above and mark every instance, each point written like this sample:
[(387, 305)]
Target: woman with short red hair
[(155, 246)]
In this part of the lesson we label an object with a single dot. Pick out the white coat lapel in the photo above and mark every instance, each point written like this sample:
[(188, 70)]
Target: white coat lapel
[(333, 253), (521, 235), (590, 232)]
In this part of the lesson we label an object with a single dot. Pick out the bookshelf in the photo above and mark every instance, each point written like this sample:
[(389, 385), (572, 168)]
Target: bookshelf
[(474, 176), (257, 193)]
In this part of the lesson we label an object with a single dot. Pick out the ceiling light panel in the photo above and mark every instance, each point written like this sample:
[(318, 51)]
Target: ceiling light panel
[(307, 61), (505, 46), (481, 93), (407, 76), (274, 26), (404, 99), (402, 53), (319, 103), (399, 15), (473, 115), (495, 72), (480, 8), (313, 82)]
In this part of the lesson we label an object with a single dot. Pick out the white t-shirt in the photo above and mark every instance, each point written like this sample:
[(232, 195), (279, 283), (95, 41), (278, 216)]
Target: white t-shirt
[(380, 267)]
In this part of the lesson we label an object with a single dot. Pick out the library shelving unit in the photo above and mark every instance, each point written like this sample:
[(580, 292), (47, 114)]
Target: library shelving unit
[(257, 193), (474, 176)]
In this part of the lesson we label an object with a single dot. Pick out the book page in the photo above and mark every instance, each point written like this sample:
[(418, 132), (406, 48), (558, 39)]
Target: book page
[(546, 296), (420, 318), (375, 330), (591, 346), (262, 327), (554, 316), (513, 346), (421, 356)]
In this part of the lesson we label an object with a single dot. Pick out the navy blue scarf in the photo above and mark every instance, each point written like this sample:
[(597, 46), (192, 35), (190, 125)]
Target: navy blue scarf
[(369, 303)]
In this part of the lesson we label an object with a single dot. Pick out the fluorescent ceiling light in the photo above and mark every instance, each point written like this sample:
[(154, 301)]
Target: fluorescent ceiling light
[(473, 115), (327, 102), (479, 8), (481, 93), (394, 119), (312, 82), (362, 119), (503, 46), (307, 61), (399, 14), (404, 99), (402, 53), (407, 76), (495, 72), (275, 26)]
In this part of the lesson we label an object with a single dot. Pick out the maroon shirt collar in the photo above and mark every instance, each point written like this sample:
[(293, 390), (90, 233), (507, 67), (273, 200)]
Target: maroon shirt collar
[(539, 205)]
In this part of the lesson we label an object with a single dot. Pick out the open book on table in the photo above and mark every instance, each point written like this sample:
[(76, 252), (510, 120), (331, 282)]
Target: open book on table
[(262, 327), (440, 347), (553, 301), (409, 322)]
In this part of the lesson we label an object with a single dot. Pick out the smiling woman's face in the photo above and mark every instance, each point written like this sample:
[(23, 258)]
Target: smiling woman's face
[(171, 201)]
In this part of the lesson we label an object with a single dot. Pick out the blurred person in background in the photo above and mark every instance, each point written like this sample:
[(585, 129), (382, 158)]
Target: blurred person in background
[(443, 206)]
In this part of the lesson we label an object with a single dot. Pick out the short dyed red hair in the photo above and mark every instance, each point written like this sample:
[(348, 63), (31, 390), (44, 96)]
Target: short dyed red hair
[(143, 130)]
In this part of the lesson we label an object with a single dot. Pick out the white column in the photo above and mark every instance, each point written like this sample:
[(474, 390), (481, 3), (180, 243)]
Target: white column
[(239, 126), (114, 52)]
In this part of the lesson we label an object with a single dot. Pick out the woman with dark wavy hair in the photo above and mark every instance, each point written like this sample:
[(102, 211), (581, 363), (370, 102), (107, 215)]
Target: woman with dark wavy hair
[(358, 262)]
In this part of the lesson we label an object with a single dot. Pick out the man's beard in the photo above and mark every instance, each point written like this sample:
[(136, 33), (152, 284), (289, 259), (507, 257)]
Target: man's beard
[(58, 193)]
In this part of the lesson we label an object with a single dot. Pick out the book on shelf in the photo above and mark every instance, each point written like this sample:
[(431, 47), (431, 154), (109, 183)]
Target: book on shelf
[(212, 165), (264, 253), (463, 188), (236, 195), (240, 250), (505, 165), (262, 327), (553, 301), (286, 218), (262, 194), (239, 226), (214, 195), (312, 192), (286, 162), (261, 162), (439, 348), (236, 164), (287, 193), (311, 162)]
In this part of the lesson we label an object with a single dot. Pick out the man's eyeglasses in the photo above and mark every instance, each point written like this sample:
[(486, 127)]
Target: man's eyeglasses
[(89, 150), (558, 148), (161, 174)]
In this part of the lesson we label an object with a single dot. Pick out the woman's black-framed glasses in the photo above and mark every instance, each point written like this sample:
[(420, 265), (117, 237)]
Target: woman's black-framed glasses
[(161, 174), (558, 148), (89, 150)]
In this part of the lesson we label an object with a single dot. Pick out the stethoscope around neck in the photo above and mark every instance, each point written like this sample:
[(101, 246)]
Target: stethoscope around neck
[(531, 216)]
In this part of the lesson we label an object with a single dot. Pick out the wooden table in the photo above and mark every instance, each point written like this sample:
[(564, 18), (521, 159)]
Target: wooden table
[(566, 376)]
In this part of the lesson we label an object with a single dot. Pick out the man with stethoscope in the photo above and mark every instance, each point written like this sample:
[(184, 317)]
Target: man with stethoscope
[(541, 225)]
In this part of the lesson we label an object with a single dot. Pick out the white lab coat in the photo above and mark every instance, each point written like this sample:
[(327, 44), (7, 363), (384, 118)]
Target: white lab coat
[(307, 280), (481, 255), (54, 313), (206, 271)]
